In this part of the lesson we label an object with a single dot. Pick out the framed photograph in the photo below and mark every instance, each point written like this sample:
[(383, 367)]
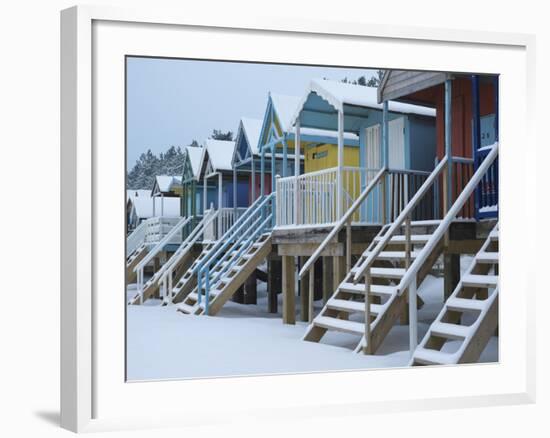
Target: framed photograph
[(272, 217)]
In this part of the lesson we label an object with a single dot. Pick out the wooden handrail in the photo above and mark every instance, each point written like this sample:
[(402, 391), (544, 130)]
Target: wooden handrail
[(400, 219), (447, 220), (342, 222)]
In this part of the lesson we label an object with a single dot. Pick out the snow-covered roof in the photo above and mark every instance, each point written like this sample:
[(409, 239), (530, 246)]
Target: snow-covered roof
[(143, 193), (339, 94), (166, 183), (252, 129), (143, 207), (195, 153), (327, 133), (285, 107), (220, 153)]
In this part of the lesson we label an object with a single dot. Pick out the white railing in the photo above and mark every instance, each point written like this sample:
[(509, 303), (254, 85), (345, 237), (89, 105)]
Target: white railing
[(318, 195), (158, 227), (135, 238), (166, 272), (224, 221)]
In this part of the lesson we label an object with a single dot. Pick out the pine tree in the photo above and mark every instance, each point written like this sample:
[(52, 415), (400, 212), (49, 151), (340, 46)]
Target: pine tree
[(375, 80), (218, 134)]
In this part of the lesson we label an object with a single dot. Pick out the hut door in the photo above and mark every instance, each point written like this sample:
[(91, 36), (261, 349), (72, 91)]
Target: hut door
[(372, 146), (396, 143)]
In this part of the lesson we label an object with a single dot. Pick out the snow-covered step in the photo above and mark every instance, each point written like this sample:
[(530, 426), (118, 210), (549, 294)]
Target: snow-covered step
[(472, 280), (493, 235), (342, 325), (392, 255), (195, 296), (415, 238), (185, 308), (387, 272), (375, 289), (427, 356), (487, 257), (352, 306), (450, 331), (462, 304)]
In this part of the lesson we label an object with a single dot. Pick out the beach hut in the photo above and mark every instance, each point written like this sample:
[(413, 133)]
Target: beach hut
[(466, 125), (165, 186), (191, 184), (216, 173), (130, 196), (148, 207), (341, 170), (246, 157)]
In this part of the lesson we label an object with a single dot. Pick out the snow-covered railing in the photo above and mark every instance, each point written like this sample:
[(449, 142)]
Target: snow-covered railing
[(136, 238), (408, 282), (175, 231), (256, 220), (158, 227), (167, 271), (224, 220), (317, 195)]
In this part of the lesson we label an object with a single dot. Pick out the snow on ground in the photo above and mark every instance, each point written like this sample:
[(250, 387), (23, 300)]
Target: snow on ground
[(247, 340)]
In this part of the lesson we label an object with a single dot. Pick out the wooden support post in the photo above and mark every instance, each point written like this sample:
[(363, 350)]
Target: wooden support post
[(289, 306), (448, 140), (304, 289), (413, 318), (367, 348), (251, 289), (328, 281), (451, 269), (348, 245), (339, 181), (238, 296), (310, 293), (339, 271), (274, 282), (404, 319), (296, 170), (318, 289)]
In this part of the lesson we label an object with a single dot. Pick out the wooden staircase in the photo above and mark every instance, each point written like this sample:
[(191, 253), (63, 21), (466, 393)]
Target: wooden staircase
[(345, 310), (470, 315), (132, 261), (225, 266), (229, 276), (188, 281), (175, 266)]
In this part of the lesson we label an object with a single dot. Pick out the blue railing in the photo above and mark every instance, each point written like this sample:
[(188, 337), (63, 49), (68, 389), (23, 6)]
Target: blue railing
[(486, 194), (258, 219)]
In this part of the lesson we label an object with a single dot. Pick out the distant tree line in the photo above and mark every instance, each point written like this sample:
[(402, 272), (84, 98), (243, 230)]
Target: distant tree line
[(149, 165), (373, 81)]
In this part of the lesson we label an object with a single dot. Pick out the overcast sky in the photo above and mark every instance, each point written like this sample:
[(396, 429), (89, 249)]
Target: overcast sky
[(172, 101)]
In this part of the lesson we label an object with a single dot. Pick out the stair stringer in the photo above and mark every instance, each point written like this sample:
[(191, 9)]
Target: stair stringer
[(132, 261), (479, 333), (188, 281), (248, 262)]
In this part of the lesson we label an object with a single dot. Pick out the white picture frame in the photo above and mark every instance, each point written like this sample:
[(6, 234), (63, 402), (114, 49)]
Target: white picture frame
[(93, 397)]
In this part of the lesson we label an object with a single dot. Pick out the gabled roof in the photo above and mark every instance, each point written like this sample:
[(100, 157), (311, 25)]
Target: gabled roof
[(194, 154), (251, 130), (285, 107), (396, 84), (219, 153), (339, 94), (143, 207), (143, 193), (165, 183)]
